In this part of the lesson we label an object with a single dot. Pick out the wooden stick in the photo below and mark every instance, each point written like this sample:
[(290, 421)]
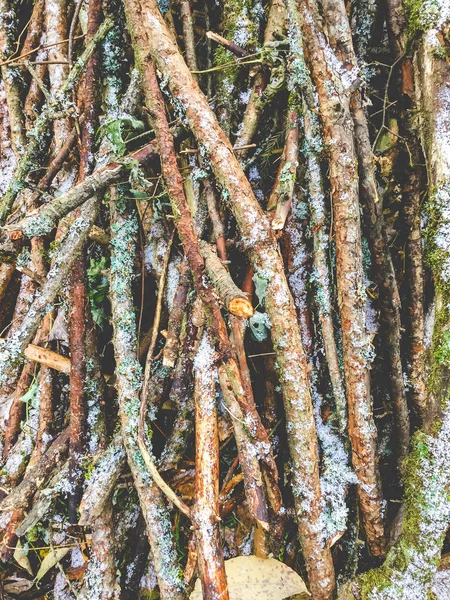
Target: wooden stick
[(231, 46), (47, 357), (206, 509), (151, 36)]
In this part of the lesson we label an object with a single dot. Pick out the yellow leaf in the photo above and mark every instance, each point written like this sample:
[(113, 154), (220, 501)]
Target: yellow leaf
[(253, 578), (21, 558), (52, 558)]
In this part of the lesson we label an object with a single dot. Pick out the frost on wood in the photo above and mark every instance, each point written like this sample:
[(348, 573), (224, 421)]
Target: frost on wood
[(286, 161), (129, 374)]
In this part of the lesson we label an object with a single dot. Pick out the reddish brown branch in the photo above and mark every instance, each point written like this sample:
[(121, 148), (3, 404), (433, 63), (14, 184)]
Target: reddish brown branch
[(206, 509), (151, 36), (194, 257), (91, 94), (77, 324), (334, 98)]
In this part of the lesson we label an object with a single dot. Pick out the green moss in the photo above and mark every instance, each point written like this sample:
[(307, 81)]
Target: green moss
[(413, 484), (437, 259), (89, 470), (440, 52), (442, 351), (148, 595), (374, 579), (240, 27), (223, 57), (422, 15)]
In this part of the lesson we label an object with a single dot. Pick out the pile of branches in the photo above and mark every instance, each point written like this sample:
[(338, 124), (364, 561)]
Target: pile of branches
[(224, 326)]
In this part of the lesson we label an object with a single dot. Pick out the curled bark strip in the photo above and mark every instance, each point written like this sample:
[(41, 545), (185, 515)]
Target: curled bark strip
[(206, 508), (232, 297), (150, 34)]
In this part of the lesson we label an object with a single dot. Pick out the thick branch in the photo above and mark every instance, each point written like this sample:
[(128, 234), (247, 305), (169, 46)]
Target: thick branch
[(150, 34)]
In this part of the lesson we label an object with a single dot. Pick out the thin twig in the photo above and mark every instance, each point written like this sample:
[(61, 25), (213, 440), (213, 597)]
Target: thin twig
[(38, 80), (73, 24), (40, 47), (156, 321)]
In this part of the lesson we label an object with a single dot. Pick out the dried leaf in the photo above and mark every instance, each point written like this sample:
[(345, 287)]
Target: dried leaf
[(253, 578), (21, 558), (52, 558), (17, 585), (76, 573)]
